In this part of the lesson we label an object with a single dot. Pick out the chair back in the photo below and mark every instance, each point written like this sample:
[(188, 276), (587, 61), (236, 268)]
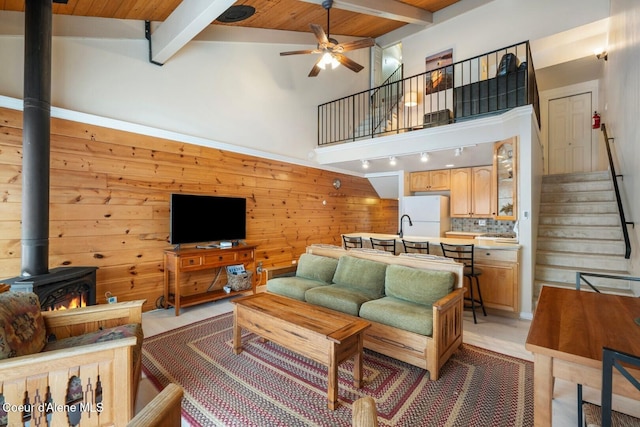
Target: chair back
[(352, 242), (415, 247), (388, 245), (460, 253), (612, 358)]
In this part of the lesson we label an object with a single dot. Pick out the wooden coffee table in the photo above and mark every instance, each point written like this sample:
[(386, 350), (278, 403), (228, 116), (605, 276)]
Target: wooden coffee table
[(325, 336)]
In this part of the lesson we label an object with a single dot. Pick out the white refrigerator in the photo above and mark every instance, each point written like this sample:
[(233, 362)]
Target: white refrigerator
[(429, 216)]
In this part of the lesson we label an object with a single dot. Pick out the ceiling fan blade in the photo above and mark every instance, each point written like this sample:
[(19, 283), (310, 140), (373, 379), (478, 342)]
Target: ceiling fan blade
[(299, 52), (357, 44), (347, 62), (320, 34), (314, 71)]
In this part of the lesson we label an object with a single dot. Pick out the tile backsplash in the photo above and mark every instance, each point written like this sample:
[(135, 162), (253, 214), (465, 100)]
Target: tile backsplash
[(472, 225)]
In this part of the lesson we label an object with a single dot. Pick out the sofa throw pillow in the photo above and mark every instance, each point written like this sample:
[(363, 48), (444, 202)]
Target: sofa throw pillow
[(364, 274), (419, 286), (316, 267), (22, 330)]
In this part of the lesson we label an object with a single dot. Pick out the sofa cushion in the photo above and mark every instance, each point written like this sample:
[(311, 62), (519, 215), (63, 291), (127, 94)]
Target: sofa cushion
[(363, 274), (292, 287), (401, 314), (419, 286), (337, 297), (22, 329), (317, 267), (102, 335)]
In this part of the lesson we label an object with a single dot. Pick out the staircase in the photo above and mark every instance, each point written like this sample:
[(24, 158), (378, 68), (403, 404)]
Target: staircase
[(386, 121), (579, 230)]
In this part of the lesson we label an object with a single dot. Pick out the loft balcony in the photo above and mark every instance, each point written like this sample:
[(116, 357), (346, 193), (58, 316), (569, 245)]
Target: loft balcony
[(487, 84)]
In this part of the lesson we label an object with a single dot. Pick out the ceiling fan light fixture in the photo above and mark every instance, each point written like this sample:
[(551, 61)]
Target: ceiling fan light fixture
[(328, 59)]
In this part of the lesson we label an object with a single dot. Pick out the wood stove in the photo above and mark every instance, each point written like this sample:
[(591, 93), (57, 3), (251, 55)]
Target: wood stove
[(61, 288)]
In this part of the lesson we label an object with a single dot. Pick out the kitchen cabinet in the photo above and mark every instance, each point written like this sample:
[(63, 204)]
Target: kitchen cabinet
[(499, 279), (435, 180), (505, 179), (471, 192)]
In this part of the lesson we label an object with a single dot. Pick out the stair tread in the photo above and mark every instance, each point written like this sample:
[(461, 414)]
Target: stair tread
[(589, 214), (575, 226), (580, 254), (585, 269), (578, 239)]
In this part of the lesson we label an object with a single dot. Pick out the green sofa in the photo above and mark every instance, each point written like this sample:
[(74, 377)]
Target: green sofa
[(413, 303)]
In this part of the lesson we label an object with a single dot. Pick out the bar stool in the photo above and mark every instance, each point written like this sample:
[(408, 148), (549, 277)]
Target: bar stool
[(388, 245), (464, 254), (415, 247), (352, 242)]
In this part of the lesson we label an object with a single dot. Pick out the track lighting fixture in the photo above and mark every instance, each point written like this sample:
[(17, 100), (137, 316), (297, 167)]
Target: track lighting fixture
[(458, 151), (392, 160), (424, 157), (365, 164)]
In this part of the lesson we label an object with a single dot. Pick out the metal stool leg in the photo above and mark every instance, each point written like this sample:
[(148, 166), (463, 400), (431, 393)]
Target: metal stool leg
[(473, 300), (580, 424), (480, 295)]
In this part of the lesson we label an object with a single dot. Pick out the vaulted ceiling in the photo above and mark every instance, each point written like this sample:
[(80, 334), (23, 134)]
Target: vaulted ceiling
[(372, 19)]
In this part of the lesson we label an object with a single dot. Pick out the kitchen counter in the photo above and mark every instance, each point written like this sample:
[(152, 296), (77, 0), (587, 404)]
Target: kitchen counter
[(498, 261), (471, 234), (479, 243)]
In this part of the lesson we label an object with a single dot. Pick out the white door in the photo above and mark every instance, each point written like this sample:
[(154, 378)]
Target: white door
[(570, 134)]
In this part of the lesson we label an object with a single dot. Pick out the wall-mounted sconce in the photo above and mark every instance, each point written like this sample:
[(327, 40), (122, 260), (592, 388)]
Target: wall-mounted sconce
[(424, 157), (392, 161), (411, 99), (600, 53), (365, 164)]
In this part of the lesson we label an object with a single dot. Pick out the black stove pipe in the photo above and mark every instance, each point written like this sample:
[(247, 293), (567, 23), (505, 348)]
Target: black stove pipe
[(36, 141)]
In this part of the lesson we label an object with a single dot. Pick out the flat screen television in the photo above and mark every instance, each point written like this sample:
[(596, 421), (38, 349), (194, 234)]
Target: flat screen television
[(201, 218)]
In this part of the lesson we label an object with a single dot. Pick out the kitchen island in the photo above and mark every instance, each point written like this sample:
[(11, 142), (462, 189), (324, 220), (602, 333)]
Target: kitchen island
[(498, 260)]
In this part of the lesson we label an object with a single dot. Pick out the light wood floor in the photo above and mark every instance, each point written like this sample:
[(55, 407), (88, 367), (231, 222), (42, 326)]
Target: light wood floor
[(497, 333)]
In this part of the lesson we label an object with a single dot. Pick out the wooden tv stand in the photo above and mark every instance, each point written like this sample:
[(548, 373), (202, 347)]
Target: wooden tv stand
[(181, 264)]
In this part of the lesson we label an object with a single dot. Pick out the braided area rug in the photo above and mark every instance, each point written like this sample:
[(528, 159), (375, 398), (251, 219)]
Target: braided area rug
[(267, 385)]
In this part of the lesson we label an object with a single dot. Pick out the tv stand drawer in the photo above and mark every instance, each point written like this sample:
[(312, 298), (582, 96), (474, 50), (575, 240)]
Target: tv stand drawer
[(219, 258), (191, 261)]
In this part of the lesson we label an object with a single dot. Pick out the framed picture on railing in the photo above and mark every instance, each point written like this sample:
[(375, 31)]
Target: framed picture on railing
[(439, 69)]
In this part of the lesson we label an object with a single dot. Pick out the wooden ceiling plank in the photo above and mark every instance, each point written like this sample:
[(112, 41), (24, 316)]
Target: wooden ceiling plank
[(389, 9), (186, 21)]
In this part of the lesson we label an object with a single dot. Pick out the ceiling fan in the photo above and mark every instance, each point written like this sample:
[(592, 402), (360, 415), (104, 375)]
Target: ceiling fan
[(331, 50)]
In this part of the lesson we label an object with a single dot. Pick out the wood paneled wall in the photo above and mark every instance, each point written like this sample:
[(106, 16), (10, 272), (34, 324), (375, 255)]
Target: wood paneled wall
[(109, 202)]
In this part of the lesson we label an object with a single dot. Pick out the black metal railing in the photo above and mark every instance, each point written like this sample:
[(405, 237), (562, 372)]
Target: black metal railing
[(581, 277), (614, 178), (486, 84)]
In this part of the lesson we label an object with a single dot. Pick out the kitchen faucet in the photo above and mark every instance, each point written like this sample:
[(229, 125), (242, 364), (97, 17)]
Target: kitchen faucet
[(400, 233)]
